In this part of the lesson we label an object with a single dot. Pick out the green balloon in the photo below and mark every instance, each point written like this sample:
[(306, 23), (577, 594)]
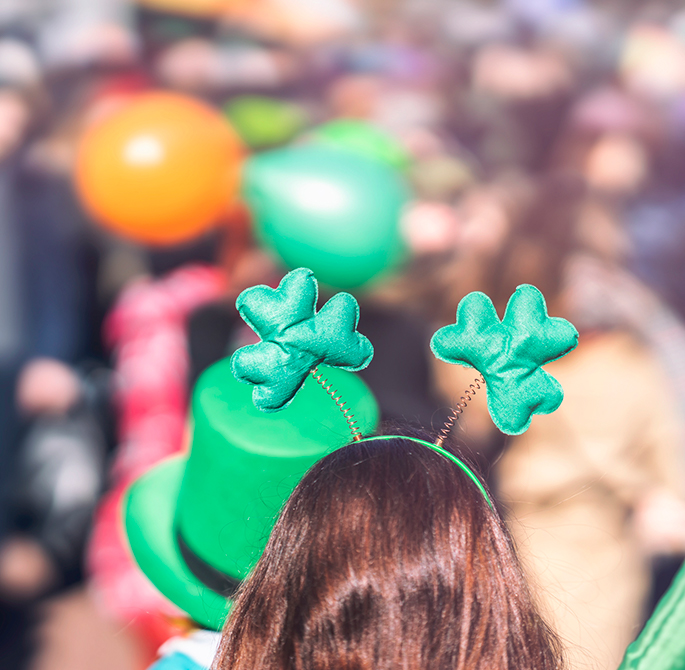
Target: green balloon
[(363, 139), (328, 210), (264, 122)]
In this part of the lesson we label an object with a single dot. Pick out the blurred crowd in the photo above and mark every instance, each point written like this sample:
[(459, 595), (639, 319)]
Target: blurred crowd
[(543, 142)]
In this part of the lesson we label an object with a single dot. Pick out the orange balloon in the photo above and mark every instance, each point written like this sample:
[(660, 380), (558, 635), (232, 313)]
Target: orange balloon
[(162, 170)]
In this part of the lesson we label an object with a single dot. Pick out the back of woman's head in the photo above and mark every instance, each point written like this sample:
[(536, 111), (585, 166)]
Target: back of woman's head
[(387, 556)]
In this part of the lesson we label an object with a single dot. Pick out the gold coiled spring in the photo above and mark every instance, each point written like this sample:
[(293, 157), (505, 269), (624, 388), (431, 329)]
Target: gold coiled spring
[(459, 409), (347, 412)]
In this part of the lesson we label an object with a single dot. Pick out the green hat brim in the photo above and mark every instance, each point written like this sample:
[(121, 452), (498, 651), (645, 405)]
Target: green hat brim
[(149, 508)]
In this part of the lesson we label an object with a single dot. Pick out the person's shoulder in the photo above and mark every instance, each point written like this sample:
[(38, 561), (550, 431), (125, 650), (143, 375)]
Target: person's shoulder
[(177, 661), (190, 652)]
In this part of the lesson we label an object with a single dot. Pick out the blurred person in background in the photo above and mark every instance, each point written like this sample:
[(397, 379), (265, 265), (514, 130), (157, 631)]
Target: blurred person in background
[(514, 104), (71, 34), (580, 484), (213, 48), (626, 150), (41, 41), (26, 383), (15, 117), (60, 389), (53, 416)]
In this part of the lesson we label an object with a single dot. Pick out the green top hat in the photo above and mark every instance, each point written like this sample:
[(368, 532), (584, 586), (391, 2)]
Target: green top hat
[(197, 523)]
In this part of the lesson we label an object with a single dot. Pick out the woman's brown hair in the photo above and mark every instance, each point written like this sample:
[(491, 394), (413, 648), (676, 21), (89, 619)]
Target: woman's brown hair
[(387, 556)]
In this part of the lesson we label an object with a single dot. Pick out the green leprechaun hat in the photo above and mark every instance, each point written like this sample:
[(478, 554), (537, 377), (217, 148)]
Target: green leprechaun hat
[(196, 524)]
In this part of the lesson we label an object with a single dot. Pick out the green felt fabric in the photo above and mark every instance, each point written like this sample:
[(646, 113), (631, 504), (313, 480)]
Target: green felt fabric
[(295, 338), (509, 353), (661, 644)]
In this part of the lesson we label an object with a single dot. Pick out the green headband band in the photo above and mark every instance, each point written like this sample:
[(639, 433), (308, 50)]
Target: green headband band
[(451, 457)]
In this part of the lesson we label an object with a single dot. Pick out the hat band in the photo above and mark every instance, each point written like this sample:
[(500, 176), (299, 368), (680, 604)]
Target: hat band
[(212, 578)]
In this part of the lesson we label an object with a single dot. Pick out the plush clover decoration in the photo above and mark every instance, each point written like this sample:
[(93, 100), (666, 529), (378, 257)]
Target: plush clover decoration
[(509, 353), (295, 338)]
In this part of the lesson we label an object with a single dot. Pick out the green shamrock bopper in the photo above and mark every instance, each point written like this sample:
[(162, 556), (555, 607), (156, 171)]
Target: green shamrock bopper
[(509, 353), (296, 339)]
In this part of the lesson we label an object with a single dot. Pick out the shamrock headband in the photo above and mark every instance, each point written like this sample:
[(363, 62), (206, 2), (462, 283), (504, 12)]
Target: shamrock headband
[(508, 354)]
